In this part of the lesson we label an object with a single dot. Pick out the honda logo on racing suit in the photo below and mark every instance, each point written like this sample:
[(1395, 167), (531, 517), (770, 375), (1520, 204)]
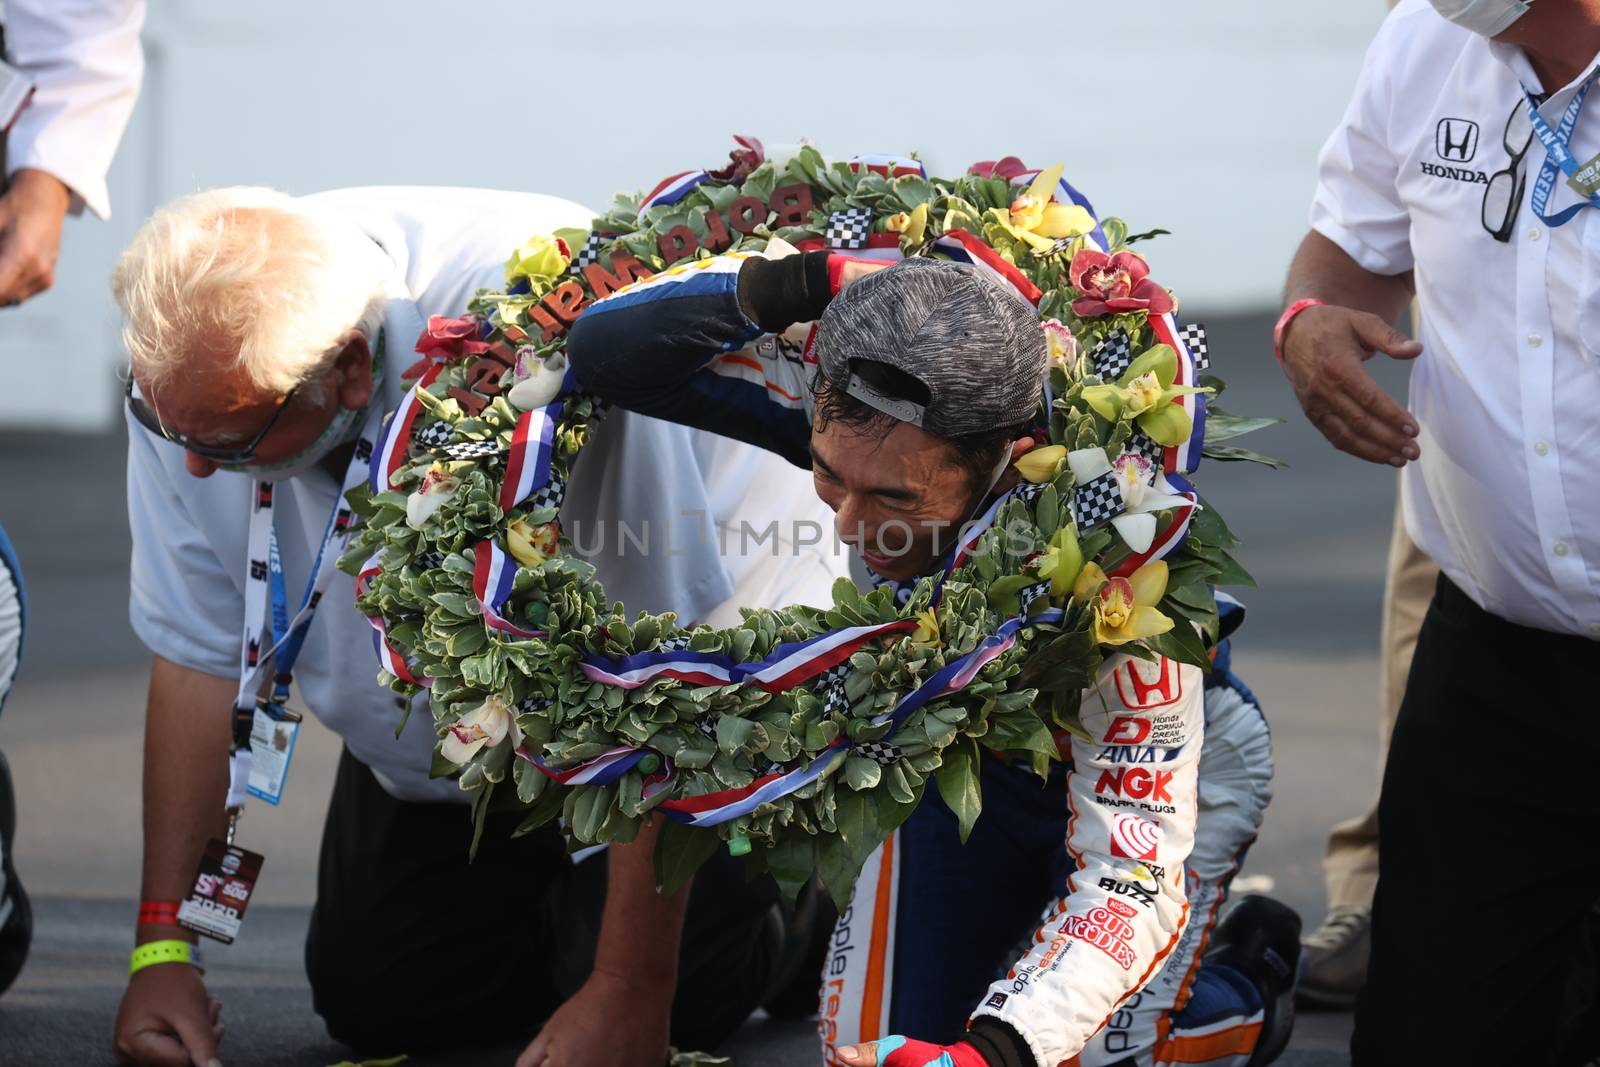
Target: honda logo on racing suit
[(1141, 693)]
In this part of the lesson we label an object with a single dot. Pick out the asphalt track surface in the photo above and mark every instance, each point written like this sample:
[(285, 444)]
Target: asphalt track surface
[(1314, 535)]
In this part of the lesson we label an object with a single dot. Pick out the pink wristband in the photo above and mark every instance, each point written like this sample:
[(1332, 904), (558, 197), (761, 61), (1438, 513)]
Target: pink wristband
[(1287, 317)]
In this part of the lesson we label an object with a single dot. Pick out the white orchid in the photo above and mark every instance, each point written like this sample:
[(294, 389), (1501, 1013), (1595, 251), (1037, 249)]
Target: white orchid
[(486, 725), (1145, 491), (436, 487), (535, 381)]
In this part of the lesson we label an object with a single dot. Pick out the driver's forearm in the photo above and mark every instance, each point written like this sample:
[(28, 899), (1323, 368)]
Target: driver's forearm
[(187, 734), (1324, 271), (640, 929)]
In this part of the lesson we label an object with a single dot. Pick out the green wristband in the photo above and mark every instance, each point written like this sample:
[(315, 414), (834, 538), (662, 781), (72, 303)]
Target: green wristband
[(154, 952)]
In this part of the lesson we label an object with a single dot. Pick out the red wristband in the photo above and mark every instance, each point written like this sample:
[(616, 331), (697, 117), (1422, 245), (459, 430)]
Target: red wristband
[(1287, 317), (158, 913)]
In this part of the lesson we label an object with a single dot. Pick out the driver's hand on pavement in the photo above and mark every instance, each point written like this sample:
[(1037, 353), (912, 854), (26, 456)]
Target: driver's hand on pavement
[(609, 1022), (32, 210), (1325, 350), (167, 1020), (900, 1051)]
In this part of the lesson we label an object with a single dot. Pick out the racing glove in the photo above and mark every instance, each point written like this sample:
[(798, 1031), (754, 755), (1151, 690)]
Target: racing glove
[(899, 1051)]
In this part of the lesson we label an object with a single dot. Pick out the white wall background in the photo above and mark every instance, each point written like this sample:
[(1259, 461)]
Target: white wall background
[(1203, 118)]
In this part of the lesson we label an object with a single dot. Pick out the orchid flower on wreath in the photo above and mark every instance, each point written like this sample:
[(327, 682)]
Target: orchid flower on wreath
[(1144, 393), (1144, 492)]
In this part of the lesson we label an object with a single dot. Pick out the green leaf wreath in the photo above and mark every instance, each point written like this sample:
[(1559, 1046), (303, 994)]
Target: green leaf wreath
[(512, 711)]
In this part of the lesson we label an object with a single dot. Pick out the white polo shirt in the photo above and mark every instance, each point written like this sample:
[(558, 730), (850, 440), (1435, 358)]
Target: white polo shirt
[(1506, 495), (86, 65), (189, 534)]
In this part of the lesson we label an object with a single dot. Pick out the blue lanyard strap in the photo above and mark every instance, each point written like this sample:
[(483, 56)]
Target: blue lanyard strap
[(289, 642), (1557, 155)]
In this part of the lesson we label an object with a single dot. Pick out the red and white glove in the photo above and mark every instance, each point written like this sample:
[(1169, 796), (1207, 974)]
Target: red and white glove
[(900, 1051)]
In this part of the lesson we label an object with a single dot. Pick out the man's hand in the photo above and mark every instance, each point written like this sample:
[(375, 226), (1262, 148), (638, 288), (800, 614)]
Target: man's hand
[(166, 1020), (899, 1051), (1323, 352), (32, 210), (610, 1022)]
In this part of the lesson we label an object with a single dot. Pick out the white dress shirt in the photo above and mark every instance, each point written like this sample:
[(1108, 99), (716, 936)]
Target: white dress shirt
[(1506, 494), (86, 65), (189, 534)]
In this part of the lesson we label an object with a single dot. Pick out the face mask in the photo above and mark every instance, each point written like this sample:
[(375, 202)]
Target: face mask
[(1487, 17), (343, 428)]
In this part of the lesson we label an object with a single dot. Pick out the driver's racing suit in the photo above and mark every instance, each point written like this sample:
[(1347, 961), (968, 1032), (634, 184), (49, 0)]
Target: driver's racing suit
[(685, 345)]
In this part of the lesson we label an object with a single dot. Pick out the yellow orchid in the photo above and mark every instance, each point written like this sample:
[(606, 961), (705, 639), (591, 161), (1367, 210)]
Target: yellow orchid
[(1036, 219), (927, 632), (532, 545), (1124, 608), (1041, 464), (538, 257), (1145, 393), (911, 227), (1062, 561)]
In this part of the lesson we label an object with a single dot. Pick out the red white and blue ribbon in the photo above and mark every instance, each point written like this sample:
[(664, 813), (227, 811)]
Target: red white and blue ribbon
[(964, 247), (389, 656), (725, 805), (890, 166), (601, 770), (493, 573), (528, 463), (711, 809), (672, 189), (880, 247), (395, 445), (1184, 458), (787, 666)]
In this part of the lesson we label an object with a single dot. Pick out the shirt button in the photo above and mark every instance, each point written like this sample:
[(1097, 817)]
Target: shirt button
[(1534, 233), (1541, 448), (1561, 548), (1535, 340)]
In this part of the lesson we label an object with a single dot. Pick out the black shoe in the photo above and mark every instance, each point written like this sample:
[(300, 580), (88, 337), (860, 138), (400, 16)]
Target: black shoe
[(1260, 939), (798, 977), (16, 916)]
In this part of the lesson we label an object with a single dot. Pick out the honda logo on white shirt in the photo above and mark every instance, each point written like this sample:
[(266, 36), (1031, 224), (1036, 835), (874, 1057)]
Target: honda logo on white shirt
[(1456, 140)]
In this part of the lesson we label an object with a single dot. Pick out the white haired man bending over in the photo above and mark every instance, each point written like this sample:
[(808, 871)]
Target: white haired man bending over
[(267, 334)]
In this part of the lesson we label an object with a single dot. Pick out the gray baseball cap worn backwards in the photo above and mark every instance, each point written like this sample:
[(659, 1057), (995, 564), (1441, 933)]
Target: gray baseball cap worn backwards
[(964, 333)]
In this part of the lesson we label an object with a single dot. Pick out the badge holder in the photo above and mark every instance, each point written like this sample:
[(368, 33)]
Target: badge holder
[(227, 874), (274, 729)]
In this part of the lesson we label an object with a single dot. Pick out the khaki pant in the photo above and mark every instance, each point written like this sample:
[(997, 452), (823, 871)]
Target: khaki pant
[(1350, 864)]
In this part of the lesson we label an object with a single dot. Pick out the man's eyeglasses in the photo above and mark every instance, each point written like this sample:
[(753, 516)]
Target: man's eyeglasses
[(1502, 197), (224, 454)]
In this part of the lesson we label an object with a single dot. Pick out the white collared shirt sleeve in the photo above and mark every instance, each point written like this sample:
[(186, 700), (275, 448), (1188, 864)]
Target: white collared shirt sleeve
[(86, 64), (183, 602), (1357, 204)]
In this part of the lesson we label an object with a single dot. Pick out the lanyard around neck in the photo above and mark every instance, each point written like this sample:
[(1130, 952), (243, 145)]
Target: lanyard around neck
[(272, 643), (1557, 155)]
